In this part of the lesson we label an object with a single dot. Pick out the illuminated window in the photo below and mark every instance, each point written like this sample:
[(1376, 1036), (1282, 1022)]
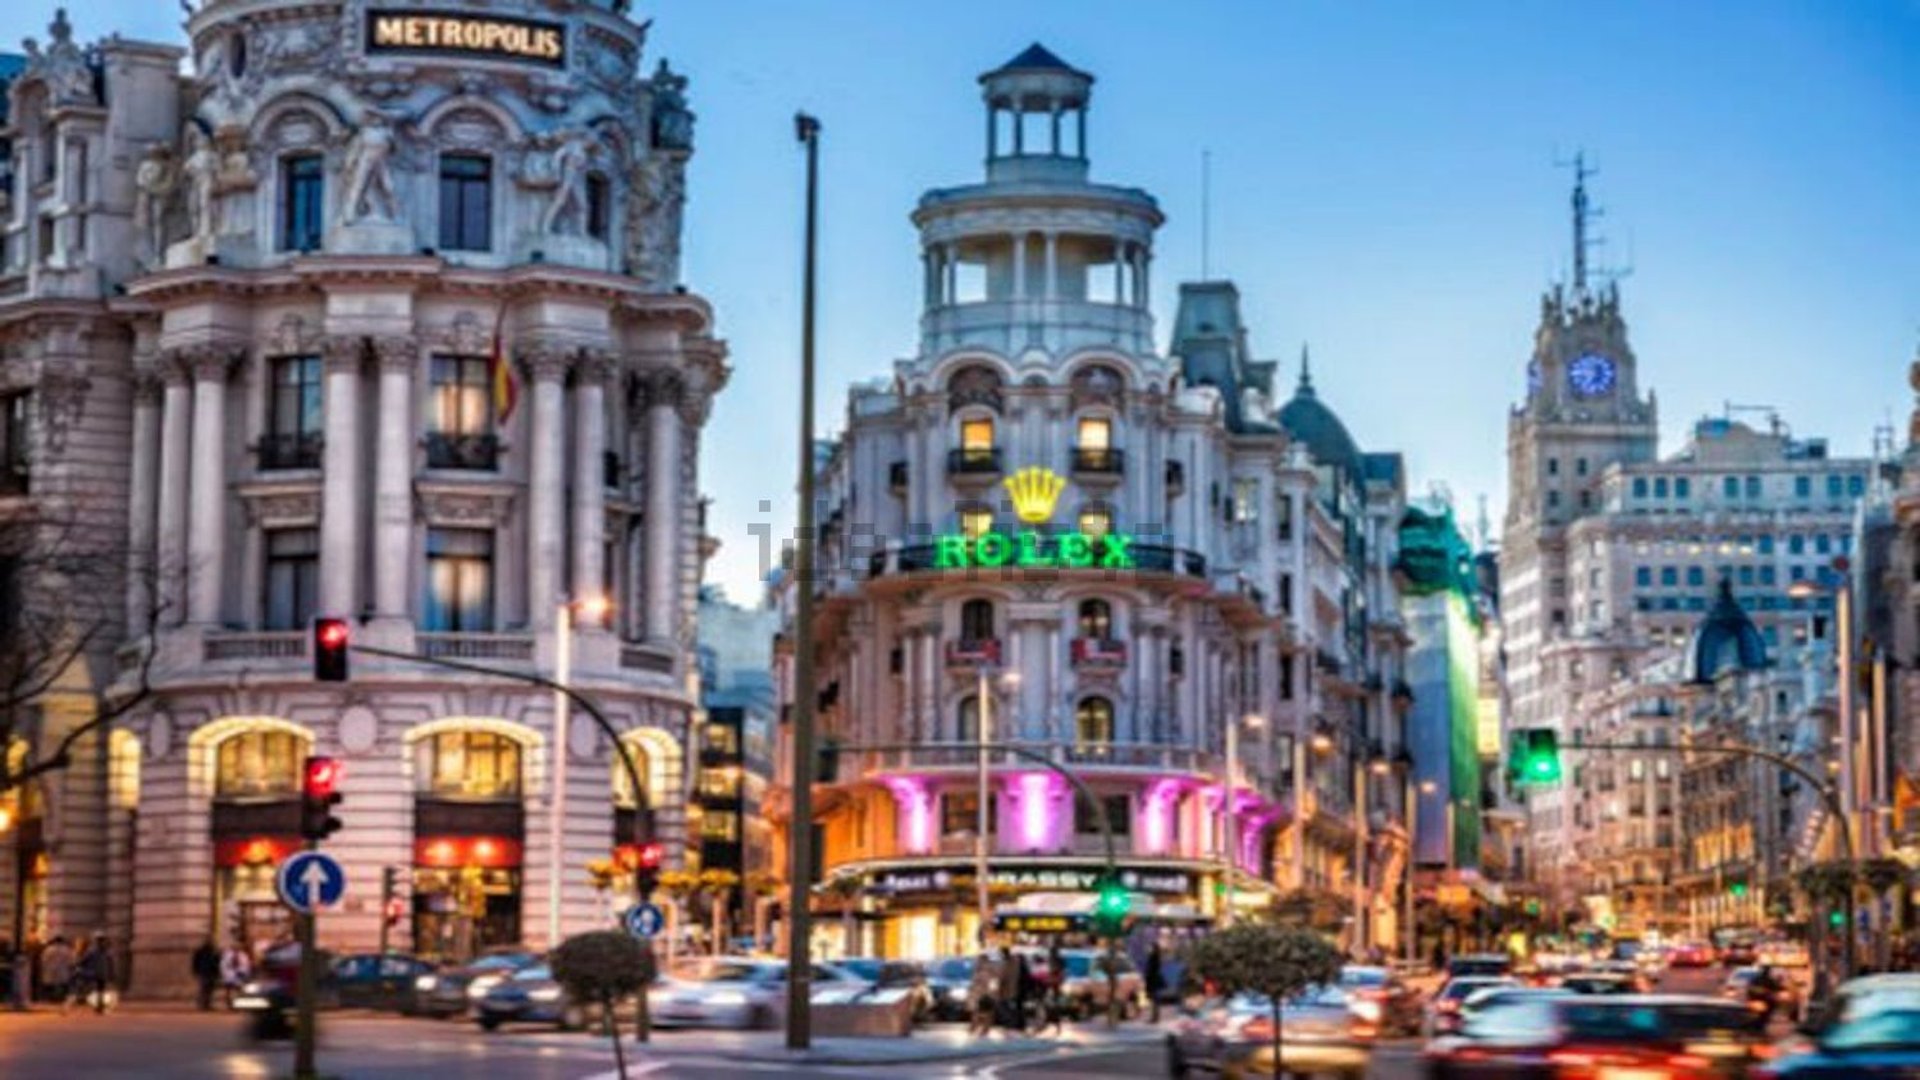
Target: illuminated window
[(1096, 619), (1094, 721), (1246, 499), (1096, 433), (723, 738), (976, 522), (259, 764), (720, 783), (719, 825), (467, 765), (1096, 521), (459, 581), (976, 434)]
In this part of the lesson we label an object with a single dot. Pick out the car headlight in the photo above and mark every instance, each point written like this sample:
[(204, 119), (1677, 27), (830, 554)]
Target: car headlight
[(545, 993), (728, 998), (1369, 1011), (253, 989), (479, 987), (426, 983), (955, 993)]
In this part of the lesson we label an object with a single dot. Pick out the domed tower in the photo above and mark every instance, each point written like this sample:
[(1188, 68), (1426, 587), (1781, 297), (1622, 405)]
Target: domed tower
[(1038, 256)]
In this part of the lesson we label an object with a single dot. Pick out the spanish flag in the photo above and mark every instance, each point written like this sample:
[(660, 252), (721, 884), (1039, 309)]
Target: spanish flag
[(506, 388)]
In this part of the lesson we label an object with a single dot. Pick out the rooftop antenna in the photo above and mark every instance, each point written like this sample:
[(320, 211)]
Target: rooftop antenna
[(1583, 213), (1206, 215)]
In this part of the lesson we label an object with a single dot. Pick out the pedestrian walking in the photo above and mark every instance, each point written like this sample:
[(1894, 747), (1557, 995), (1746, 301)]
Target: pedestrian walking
[(236, 967), (206, 973), (56, 971), (982, 991), (95, 973), (1155, 977)]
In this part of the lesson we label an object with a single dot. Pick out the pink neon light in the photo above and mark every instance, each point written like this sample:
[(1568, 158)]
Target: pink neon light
[(1157, 809), (1037, 811), (916, 812)]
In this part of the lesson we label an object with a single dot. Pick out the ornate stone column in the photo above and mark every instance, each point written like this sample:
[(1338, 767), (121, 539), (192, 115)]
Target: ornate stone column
[(546, 480), (398, 358), (143, 499), (176, 432), (340, 548), (207, 532), (589, 481), (1019, 264), (1050, 289), (664, 391)]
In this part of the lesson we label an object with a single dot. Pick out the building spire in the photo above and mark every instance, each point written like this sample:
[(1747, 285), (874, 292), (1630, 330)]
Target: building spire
[(1583, 213), (1305, 388)]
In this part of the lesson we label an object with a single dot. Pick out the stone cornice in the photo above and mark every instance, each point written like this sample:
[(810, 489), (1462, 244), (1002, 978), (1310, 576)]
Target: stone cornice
[(400, 352), (546, 361), (344, 353)]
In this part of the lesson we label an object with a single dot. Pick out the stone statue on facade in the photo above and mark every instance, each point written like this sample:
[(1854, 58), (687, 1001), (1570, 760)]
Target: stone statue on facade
[(63, 65), (656, 202), (153, 183), (566, 209), (672, 120), (370, 192), (203, 189)]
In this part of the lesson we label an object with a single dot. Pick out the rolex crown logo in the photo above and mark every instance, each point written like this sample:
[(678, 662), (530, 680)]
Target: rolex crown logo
[(1035, 491)]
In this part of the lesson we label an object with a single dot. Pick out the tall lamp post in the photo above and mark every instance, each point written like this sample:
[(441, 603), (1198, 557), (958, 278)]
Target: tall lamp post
[(1362, 830), (983, 793), (800, 827), (1415, 792), (1842, 591), (1229, 868)]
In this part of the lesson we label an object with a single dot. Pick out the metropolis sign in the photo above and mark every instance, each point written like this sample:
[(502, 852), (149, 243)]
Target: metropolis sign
[(1034, 492), (488, 36)]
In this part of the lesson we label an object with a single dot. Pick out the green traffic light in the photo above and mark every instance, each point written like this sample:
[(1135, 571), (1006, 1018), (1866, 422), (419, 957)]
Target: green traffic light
[(1114, 900), (1738, 888), (1836, 918)]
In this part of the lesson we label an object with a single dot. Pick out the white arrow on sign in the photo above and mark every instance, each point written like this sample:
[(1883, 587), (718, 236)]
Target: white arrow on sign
[(314, 880)]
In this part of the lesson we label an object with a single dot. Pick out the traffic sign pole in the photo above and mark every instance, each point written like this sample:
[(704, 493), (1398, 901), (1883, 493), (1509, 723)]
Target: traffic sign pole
[(303, 1036)]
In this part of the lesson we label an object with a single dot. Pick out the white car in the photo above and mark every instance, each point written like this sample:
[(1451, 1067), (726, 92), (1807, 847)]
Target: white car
[(739, 992)]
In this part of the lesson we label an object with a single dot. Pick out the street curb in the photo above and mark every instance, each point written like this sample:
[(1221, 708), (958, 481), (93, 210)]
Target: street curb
[(943, 1057)]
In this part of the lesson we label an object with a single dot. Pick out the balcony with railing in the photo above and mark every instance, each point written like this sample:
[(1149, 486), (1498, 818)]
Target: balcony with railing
[(1137, 757), (974, 461), (970, 653), (643, 657), (1099, 653), (254, 645), (516, 648), (450, 450), (1098, 461), (290, 450)]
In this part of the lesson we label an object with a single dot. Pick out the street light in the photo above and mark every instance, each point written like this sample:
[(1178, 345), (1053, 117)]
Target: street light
[(590, 609), (983, 736), (1362, 829), (1228, 866), (1849, 781)]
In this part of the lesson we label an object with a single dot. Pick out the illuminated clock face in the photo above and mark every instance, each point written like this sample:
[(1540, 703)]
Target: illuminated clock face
[(1590, 375)]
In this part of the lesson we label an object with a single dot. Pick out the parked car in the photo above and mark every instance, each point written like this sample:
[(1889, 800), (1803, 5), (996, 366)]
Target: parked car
[(451, 992), (895, 974), (737, 992), (948, 983), (1086, 983), (1582, 1037), (1878, 1044), (375, 981)]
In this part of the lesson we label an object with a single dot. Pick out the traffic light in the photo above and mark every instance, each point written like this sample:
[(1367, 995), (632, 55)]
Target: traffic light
[(647, 869), (1836, 919), (1110, 908), (319, 794), (390, 902), (330, 650), (1534, 757), (1737, 889)]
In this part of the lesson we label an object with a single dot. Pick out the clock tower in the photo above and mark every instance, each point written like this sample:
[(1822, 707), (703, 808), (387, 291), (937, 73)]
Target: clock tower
[(1583, 412)]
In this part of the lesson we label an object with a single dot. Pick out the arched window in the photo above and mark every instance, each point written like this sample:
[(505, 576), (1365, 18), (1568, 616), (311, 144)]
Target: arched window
[(1096, 520), (622, 787), (976, 621), (1094, 720), (1096, 619), (975, 521), (469, 764), (966, 722), (259, 765)]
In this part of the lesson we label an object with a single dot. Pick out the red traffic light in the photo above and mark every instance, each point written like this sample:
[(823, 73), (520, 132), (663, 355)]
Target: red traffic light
[(333, 633), (652, 855), (323, 776), (331, 638)]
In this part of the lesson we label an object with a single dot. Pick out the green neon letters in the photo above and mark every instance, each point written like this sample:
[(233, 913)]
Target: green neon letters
[(1077, 550)]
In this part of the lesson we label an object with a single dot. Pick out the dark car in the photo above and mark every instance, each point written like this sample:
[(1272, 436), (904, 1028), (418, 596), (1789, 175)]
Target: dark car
[(531, 996), (1584, 1037), (895, 975), (1883, 1044), (373, 981), (1480, 964), (453, 991), (1603, 982), (948, 983)]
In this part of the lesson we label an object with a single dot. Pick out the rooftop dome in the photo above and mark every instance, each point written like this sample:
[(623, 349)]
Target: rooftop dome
[(1727, 639), (1315, 426)]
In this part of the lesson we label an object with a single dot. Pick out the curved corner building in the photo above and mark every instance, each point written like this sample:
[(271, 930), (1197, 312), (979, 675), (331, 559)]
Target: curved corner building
[(374, 312), (1103, 556)]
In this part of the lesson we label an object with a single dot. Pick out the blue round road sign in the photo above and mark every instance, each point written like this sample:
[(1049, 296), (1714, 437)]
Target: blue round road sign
[(645, 920), (310, 880)]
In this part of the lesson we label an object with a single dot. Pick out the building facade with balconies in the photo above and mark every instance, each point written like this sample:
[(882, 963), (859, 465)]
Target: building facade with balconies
[(378, 315), (1125, 552)]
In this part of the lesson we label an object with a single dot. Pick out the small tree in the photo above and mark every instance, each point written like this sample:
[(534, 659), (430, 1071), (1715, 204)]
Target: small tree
[(604, 966), (1276, 962)]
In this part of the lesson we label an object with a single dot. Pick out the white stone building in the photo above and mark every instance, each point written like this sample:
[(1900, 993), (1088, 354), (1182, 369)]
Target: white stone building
[(257, 307), (1130, 550)]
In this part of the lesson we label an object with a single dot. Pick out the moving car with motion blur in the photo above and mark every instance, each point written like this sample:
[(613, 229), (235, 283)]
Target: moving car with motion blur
[(1444, 1012), (948, 983), (1881, 1044), (1234, 1037), (454, 991), (531, 996), (895, 974), (375, 981), (1380, 997), (1633, 1037), (738, 992), (1690, 954)]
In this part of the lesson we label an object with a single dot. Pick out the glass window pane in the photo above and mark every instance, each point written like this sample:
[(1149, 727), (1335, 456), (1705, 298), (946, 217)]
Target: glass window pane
[(976, 434), (1096, 433)]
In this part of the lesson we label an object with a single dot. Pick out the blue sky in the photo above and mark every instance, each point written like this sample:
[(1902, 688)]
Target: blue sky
[(1384, 189)]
